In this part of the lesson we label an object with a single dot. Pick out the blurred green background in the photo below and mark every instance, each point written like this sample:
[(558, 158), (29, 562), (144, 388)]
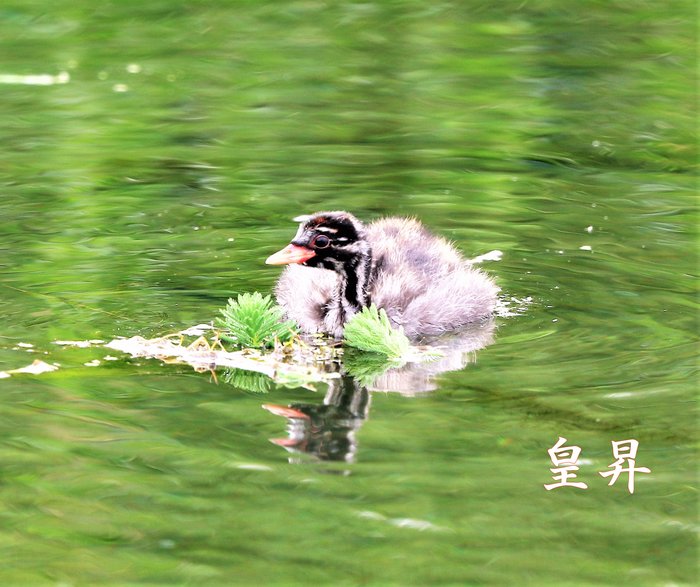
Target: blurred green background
[(146, 180)]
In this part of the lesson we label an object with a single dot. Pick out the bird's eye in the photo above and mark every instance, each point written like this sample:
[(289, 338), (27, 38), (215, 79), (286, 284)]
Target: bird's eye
[(321, 242)]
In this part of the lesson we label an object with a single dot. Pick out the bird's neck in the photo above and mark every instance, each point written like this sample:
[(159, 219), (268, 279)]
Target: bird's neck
[(352, 290)]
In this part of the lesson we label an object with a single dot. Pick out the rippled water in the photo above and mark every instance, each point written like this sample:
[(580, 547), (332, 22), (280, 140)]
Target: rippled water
[(149, 176)]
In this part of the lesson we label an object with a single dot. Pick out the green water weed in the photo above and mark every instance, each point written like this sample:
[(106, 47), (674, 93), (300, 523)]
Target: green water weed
[(253, 321), (371, 331)]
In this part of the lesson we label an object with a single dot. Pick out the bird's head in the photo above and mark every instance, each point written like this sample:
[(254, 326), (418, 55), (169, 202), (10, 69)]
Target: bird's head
[(331, 240)]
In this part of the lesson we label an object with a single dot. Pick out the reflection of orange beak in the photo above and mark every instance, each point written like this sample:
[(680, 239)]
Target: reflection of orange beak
[(290, 254), (286, 442), (286, 412)]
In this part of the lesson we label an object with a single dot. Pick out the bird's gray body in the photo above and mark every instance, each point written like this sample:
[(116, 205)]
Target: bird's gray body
[(420, 280)]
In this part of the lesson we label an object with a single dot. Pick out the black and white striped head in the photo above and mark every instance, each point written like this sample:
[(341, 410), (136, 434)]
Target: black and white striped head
[(332, 240)]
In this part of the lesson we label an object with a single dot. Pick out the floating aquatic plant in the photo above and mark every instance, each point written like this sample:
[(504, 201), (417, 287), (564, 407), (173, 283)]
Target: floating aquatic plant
[(205, 353), (370, 330), (271, 352), (254, 321)]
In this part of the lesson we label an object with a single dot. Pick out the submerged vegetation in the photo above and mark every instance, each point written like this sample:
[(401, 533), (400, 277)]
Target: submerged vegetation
[(247, 380)]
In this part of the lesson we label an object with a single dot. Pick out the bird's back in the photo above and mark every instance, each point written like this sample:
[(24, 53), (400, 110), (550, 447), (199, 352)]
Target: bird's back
[(423, 282), (404, 244)]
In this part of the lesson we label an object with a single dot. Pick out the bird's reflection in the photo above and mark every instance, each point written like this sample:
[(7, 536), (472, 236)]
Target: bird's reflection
[(328, 431)]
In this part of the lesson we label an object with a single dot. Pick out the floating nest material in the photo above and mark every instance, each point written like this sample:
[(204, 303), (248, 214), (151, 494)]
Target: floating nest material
[(297, 362)]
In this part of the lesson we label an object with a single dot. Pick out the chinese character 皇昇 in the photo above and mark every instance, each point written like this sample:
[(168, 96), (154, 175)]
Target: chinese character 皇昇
[(624, 451), (564, 459)]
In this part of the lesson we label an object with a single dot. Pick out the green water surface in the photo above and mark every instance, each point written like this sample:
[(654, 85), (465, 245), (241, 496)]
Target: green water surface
[(147, 182)]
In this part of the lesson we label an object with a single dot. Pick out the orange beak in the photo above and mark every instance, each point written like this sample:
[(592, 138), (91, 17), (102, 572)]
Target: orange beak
[(290, 254)]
